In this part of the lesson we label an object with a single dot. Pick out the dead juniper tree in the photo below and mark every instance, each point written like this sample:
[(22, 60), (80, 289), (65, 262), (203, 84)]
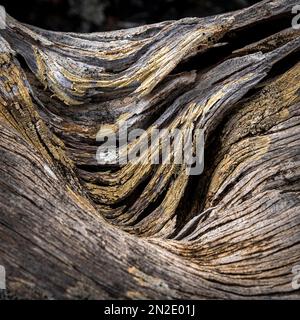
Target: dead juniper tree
[(71, 227)]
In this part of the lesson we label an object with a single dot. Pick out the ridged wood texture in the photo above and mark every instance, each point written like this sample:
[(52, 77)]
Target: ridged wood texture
[(71, 228)]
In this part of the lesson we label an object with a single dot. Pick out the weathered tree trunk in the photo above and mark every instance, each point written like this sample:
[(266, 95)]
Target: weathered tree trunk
[(72, 228)]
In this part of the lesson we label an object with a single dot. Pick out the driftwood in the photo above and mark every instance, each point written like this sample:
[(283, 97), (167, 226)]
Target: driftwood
[(73, 228)]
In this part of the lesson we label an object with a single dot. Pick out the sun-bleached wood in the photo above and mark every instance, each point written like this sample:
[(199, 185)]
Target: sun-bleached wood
[(71, 228)]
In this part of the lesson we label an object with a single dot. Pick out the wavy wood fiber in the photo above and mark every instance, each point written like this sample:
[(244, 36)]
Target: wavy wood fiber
[(71, 228)]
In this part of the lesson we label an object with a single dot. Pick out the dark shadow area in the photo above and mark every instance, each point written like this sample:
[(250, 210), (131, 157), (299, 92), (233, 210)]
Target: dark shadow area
[(103, 15)]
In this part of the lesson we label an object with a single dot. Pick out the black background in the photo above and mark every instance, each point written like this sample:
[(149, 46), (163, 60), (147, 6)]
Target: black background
[(102, 15)]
